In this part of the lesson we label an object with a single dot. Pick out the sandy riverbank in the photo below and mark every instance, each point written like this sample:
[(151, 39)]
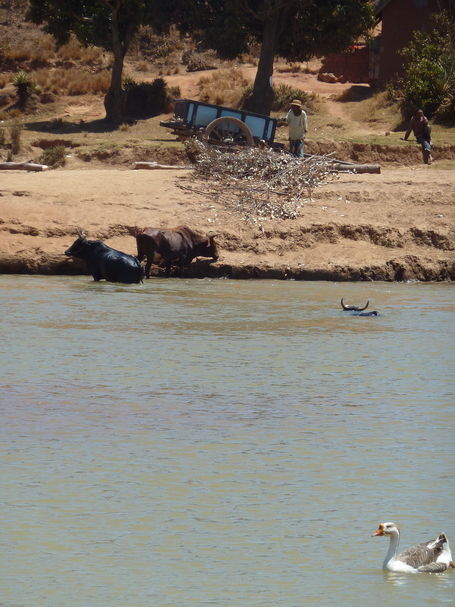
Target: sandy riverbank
[(397, 225)]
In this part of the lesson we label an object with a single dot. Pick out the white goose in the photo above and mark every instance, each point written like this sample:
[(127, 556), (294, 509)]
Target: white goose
[(432, 557)]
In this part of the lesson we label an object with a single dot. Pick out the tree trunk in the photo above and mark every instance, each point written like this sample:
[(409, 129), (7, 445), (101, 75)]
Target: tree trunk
[(115, 99), (262, 91)]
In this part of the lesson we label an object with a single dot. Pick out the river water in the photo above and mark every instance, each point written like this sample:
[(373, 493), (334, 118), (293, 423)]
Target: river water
[(217, 442)]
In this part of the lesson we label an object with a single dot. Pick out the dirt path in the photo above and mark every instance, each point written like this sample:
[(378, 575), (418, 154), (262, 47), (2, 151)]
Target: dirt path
[(307, 82)]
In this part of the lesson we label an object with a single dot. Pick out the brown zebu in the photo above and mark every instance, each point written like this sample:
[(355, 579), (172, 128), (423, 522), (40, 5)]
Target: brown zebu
[(179, 244)]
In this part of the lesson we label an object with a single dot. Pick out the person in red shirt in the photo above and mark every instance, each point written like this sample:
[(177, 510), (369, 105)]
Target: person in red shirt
[(422, 132)]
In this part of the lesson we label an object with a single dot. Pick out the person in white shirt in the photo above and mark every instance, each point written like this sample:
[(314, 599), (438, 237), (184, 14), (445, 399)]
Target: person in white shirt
[(297, 122)]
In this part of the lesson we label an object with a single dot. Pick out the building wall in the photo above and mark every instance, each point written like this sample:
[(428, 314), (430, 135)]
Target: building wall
[(399, 19), (352, 66)]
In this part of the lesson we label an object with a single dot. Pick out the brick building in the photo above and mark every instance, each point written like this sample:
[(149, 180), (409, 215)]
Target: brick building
[(399, 19), (352, 66), (379, 62)]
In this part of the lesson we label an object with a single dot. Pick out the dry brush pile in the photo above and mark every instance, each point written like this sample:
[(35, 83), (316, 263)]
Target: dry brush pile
[(259, 183)]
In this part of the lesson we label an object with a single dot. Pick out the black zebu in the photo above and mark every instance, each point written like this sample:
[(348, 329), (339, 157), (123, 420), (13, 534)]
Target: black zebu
[(179, 244), (104, 262)]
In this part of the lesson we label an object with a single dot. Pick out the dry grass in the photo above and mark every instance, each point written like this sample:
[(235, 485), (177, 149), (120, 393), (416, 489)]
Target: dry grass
[(169, 71), (142, 66), (310, 67), (39, 49), (72, 81), (317, 105), (345, 96), (223, 87), (15, 131), (377, 109), (85, 72), (248, 58), (291, 68), (4, 79), (74, 51), (42, 49)]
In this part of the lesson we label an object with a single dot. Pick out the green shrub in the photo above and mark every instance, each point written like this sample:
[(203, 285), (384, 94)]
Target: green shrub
[(429, 79), (147, 99), (128, 83), (283, 95), (54, 156)]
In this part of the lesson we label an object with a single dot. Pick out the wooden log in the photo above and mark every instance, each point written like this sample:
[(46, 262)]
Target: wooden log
[(155, 165), (356, 168), (23, 166), (345, 165)]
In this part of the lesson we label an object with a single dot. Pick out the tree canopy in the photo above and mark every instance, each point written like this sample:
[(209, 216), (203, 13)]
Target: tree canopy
[(429, 71), (294, 29)]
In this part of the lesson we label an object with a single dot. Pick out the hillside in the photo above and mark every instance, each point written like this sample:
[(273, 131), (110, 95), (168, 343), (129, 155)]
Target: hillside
[(395, 225)]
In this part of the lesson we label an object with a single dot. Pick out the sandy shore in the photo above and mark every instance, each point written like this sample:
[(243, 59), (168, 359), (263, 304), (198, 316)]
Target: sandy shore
[(396, 225)]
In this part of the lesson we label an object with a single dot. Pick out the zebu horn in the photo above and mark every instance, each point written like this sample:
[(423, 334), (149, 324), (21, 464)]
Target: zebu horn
[(354, 308), (343, 306)]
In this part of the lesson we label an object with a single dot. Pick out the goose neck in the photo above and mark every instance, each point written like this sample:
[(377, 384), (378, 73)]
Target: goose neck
[(393, 547)]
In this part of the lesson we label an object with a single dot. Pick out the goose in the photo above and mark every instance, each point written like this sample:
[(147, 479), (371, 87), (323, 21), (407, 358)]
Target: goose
[(430, 557)]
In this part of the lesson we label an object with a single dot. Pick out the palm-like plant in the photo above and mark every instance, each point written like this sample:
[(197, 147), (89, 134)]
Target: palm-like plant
[(24, 86)]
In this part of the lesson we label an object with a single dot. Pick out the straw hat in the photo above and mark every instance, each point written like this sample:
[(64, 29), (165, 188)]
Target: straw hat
[(296, 102)]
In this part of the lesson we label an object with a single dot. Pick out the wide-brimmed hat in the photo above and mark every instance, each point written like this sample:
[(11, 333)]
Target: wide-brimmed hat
[(296, 102)]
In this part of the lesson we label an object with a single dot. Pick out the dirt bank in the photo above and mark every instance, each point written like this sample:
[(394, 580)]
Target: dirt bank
[(397, 225)]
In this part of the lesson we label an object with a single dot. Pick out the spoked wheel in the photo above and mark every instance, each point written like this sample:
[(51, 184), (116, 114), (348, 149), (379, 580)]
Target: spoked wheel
[(228, 131)]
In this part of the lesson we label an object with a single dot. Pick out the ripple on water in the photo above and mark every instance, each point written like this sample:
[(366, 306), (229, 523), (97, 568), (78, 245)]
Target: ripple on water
[(221, 442)]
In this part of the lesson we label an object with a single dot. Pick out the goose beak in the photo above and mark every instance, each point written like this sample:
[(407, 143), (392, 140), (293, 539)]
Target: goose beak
[(380, 531)]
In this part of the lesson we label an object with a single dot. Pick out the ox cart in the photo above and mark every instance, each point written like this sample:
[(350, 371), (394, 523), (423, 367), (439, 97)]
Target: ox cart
[(226, 128), (220, 126)]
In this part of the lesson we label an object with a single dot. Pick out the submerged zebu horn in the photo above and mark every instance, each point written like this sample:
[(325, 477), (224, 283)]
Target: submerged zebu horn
[(354, 308)]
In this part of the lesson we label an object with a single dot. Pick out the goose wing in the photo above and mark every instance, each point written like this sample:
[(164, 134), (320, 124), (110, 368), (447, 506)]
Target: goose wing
[(433, 568), (424, 554)]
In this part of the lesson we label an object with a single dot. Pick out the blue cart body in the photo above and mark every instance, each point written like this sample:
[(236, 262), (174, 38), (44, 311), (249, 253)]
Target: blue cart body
[(192, 117)]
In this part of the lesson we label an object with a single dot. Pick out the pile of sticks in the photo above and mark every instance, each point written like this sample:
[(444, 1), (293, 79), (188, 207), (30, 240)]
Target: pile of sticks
[(257, 182)]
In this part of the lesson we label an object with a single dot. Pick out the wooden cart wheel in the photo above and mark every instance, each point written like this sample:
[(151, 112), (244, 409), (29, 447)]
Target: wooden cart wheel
[(228, 131)]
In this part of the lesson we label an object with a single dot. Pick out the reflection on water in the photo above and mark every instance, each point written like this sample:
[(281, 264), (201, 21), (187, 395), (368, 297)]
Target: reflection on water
[(220, 442)]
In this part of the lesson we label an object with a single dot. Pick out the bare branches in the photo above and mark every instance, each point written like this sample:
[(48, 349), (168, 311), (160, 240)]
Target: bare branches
[(258, 183)]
